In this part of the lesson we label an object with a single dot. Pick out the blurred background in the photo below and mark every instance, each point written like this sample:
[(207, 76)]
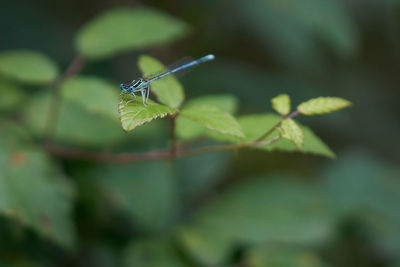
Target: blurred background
[(243, 208)]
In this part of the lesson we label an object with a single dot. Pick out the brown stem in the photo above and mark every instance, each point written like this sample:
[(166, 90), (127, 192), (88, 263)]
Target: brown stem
[(54, 109), (79, 154), (206, 149)]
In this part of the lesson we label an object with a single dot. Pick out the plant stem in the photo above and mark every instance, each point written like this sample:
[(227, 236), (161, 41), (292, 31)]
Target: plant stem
[(79, 154), (270, 131), (55, 101), (292, 115)]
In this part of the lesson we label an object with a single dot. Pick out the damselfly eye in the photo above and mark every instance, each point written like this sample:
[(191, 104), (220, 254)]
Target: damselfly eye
[(121, 86)]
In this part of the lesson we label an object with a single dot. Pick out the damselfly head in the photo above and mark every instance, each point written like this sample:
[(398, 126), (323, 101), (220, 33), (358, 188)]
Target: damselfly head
[(124, 88)]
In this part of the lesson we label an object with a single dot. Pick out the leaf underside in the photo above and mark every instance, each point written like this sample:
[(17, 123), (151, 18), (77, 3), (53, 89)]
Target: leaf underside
[(133, 113)]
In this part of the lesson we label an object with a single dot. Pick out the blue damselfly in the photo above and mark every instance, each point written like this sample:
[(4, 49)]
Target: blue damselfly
[(142, 85)]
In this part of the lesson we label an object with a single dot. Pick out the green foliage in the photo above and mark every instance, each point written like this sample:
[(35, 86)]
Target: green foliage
[(193, 209), (281, 256), (80, 121), (281, 104), (133, 113), (291, 131), (204, 246), (122, 29), (27, 66), (168, 90), (97, 96), (154, 253), (323, 105), (11, 95), (292, 28), (147, 192), (254, 126), (214, 119), (189, 129), (33, 190), (253, 212), (367, 187), (203, 179)]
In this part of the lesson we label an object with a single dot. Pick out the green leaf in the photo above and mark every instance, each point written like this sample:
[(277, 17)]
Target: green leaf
[(323, 105), (27, 66), (76, 124), (281, 255), (11, 95), (146, 192), (154, 253), (195, 183), (94, 94), (256, 125), (214, 119), (168, 90), (253, 212), (188, 129), (204, 246), (291, 131), (123, 29), (133, 113), (281, 104), (367, 187), (46, 203)]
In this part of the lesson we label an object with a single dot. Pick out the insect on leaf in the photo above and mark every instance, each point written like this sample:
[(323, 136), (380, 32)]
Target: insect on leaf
[(168, 90)]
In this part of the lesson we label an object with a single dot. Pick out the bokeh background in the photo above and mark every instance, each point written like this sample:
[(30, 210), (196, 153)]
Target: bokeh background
[(243, 208)]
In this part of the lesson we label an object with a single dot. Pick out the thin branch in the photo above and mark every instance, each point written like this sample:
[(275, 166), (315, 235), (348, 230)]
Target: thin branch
[(206, 149), (54, 109), (270, 131), (80, 154), (294, 114)]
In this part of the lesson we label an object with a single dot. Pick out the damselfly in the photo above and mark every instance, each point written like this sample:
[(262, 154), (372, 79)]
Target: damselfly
[(142, 85)]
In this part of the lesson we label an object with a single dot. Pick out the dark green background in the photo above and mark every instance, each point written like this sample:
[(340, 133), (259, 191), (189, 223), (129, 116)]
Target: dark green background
[(349, 49)]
